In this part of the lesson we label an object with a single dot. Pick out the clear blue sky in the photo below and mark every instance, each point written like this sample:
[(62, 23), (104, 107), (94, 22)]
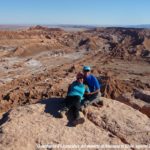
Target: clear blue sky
[(92, 12)]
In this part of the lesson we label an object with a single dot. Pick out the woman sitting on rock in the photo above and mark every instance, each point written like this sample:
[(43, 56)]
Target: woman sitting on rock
[(73, 100)]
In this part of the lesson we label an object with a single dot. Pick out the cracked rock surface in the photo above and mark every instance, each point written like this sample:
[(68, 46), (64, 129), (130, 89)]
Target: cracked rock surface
[(115, 123)]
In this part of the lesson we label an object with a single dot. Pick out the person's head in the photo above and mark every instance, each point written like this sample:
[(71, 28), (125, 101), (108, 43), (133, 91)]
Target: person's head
[(86, 70), (80, 77)]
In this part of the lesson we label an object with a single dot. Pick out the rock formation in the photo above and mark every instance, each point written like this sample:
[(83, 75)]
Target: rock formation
[(37, 124)]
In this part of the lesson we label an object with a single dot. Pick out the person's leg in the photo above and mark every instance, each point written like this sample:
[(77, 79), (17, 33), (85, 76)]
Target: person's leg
[(92, 99), (96, 100), (65, 103), (65, 107), (73, 103), (75, 107), (88, 99)]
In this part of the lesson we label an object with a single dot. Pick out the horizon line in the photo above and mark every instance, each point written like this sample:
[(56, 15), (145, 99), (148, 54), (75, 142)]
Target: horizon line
[(61, 24)]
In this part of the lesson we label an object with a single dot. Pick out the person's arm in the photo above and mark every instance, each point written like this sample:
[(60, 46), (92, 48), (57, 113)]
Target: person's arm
[(70, 85), (96, 85), (87, 91), (91, 93)]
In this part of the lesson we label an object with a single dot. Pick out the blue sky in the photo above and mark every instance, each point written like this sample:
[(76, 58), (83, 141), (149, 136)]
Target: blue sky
[(92, 12)]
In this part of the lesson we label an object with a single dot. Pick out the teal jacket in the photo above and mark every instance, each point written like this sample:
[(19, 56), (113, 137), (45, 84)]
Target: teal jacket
[(77, 89)]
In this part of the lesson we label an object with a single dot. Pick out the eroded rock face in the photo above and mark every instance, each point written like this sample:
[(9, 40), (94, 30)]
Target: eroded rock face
[(128, 124), (139, 100), (115, 41), (114, 123)]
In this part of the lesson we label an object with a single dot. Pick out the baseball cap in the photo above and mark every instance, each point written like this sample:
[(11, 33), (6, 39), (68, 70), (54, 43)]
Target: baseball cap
[(86, 68)]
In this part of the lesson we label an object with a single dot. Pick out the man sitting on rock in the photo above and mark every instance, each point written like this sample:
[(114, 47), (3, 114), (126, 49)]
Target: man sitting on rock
[(93, 97)]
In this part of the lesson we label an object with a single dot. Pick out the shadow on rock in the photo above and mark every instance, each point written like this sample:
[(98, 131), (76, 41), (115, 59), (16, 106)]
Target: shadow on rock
[(140, 95), (52, 106), (5, 118)]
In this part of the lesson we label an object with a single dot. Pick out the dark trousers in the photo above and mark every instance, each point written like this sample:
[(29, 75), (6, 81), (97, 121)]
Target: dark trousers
[(89, 98), (73, 104)]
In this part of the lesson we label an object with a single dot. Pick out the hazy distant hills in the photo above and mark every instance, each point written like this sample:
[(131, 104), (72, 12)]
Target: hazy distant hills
[(145, 26), (14, 27)]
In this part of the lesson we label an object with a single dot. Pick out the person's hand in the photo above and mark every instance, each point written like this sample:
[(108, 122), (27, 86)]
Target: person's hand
[(88, 93)]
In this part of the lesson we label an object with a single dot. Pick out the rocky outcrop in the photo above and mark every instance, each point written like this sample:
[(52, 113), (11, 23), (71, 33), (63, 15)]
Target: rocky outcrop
[(118, 119), (38, 124), (138, 100), (38, 27)]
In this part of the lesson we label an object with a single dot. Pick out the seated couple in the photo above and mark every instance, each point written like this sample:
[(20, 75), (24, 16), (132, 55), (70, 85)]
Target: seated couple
[(82, 92)]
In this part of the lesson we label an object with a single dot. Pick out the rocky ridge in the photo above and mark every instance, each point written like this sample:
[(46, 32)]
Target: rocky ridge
[(114, 123)]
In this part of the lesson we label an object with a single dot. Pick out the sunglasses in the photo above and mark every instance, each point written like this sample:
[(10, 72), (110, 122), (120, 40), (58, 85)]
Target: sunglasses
[(86, 70)]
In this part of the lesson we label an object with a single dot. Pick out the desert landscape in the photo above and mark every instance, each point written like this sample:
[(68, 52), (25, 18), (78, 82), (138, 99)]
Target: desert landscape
[(38, 63)]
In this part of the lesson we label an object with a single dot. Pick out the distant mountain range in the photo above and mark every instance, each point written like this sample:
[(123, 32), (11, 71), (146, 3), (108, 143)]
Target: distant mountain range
[(145, 26), (9, 27)]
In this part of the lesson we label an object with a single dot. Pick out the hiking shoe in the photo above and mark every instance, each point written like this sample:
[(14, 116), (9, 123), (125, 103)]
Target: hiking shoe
[(98, 104), (62, 113), (82, 108), (78, 121), (86, 103)]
